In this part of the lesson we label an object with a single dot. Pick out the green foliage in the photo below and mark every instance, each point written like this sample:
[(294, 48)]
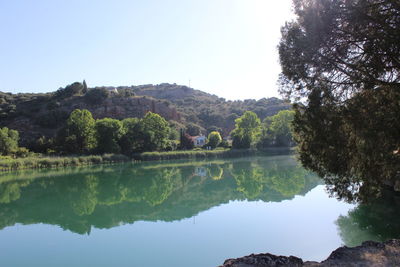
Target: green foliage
[(194, 154), (36, 162), (8, 141), (348, 128), (214, 129), (246, 130), (155, 131), (130, 140), (186, 142), (214, 139), (22, 152), (355, 142), (96, 95), (277, 130), (333, 47), (173, 134), (148, 134), (43, 145), (70, 90), (193, 109), (80, 132), (193, 129), (108, 133), (224, 144)]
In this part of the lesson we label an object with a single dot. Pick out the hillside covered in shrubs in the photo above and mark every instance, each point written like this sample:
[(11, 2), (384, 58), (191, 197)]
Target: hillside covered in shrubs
[(38, 117)]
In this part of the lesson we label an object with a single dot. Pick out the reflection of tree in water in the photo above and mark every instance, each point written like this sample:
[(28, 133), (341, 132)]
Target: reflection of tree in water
[(249, 179), (106, 196), (253, 178), (83, 196), (160, 188), (378, 220), (215, 172), (10, 192), (287, 181)]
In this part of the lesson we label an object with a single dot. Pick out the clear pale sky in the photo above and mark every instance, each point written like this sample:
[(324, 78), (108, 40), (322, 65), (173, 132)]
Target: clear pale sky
[(224, 47)]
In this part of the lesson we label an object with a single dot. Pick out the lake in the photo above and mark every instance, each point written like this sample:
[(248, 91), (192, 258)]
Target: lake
[(178, 214)]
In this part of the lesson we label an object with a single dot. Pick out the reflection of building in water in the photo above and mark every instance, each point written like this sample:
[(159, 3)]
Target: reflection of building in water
[(200, 171)]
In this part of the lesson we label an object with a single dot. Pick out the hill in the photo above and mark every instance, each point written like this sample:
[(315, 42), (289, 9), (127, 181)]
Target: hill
[(36, 115)]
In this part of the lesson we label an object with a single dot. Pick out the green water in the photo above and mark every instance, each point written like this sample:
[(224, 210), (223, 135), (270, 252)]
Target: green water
[(177, 214)]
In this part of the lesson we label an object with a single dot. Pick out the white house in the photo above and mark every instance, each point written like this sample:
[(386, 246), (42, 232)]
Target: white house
[(199, 140)]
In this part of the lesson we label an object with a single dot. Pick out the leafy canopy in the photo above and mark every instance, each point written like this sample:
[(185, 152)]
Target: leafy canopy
[(277, 130), (247, 129), (341, 59), (8, 141), (155, 131), (340, 48), (80, 131), (214, 139), (108, 133)]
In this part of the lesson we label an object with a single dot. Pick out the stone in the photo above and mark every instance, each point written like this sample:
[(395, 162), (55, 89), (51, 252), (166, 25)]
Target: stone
[(370, 253)]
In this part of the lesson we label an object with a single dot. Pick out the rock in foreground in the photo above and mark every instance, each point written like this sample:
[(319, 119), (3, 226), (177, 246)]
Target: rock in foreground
[(370, 253)]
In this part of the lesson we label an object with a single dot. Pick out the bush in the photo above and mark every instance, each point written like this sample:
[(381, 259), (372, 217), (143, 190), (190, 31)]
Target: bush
[(96, 95)]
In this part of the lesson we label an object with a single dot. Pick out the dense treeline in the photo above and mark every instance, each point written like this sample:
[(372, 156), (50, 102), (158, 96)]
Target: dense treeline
[(274, 131), (85, 135), (86, 141)]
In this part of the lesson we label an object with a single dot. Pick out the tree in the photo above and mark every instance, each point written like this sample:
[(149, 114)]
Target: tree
[(193, 129), (85, 88), (277, 130), (80, 132), (96, 95), (131, 140), (214, 139), (341, 58), (186, 142), (340, 47), (108, 133), (247, 129), (8, 141), (214, 129), (70, 90), (148, 134), (155, 131)]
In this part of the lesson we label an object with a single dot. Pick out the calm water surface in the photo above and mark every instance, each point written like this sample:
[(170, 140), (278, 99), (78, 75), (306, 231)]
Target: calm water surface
[(175, 214)]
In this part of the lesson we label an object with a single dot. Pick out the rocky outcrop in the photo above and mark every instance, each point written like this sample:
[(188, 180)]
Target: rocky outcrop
[(121, 108), (370, 253), (46, 122)]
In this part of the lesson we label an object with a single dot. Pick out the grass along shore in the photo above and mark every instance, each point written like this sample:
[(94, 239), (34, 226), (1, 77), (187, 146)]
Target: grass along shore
[(46, 162), (194, 154), (10, 164)]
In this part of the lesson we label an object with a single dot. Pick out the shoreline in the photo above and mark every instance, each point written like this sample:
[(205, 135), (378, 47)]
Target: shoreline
[(369, 253), (49, 162)]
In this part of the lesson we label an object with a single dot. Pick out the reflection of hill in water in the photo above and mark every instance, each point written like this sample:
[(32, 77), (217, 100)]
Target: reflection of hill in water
[(106, 196)]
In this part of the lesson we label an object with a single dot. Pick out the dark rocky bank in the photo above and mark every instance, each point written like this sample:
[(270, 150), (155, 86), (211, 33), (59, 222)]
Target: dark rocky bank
[(370, 253)]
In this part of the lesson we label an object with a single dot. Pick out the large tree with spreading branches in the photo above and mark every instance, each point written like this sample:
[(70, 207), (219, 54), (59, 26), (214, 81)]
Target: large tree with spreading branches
[(341, 66)]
